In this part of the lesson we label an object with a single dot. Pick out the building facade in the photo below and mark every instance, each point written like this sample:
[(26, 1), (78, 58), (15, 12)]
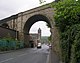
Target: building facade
[(35, 37)]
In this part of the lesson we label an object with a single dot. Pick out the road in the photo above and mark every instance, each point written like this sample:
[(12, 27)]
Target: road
[(27, 55)]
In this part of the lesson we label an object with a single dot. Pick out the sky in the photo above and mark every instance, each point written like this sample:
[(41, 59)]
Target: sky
[(45, 31), (12, 7)]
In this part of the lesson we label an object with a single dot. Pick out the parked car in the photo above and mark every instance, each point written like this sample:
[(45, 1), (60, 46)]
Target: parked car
[(50, 46), (39, 45)]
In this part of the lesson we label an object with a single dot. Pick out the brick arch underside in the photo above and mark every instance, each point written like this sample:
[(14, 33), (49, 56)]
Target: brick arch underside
[(34, 19)]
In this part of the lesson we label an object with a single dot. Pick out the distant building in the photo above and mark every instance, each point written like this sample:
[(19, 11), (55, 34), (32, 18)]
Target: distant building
[(36, 37), (39, 34)]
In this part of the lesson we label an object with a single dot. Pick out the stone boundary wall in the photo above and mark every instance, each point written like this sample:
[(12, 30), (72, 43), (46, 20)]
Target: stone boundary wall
[(56, 41), (6, 32)]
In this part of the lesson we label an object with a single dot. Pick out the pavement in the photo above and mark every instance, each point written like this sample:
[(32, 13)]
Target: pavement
[(53, 58)]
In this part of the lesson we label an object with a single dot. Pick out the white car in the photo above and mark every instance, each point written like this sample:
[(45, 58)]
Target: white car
[(39, 45)]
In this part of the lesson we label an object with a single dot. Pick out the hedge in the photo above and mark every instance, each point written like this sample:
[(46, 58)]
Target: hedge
[(67, 19), (10, 44)]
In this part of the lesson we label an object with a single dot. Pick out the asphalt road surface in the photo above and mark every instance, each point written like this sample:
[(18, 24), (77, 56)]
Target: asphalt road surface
[(27, 55)]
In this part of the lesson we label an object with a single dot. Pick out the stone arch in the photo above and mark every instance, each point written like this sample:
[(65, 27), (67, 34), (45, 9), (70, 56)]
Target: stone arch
[(33, 19)]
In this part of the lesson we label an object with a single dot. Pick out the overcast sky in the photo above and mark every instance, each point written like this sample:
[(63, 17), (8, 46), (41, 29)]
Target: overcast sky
[(11, 7), (45, 31)]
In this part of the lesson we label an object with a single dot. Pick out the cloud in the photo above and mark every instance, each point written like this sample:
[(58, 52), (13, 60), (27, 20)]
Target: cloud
[(11, 7)]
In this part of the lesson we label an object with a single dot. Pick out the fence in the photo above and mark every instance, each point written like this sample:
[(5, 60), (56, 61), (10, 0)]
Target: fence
[(10, 45)]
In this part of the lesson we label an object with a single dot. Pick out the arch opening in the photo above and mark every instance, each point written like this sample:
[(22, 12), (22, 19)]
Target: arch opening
[(30, 22), (45, 30)]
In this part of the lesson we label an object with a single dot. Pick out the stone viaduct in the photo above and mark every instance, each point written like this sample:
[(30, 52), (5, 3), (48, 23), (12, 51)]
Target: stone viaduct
[(23, 21)]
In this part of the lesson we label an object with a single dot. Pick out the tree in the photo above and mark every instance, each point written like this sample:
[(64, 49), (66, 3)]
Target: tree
[(42, 1), (67, 19)]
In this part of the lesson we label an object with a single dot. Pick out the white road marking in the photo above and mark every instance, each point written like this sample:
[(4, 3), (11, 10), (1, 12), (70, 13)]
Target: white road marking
[(11, 58), (22, 55), (6, 60)]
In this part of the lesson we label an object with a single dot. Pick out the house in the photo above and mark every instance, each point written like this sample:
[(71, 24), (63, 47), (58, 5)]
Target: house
[(35, 37)]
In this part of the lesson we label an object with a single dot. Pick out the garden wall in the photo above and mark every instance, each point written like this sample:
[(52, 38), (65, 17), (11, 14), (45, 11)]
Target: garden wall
[(6, 32)]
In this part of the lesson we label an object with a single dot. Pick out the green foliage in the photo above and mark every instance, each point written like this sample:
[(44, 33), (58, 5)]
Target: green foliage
[(66, 14), (67, 19), (70, 44), (49, 38), (75, 51), (42, 1), (44, 39), (10, 44)]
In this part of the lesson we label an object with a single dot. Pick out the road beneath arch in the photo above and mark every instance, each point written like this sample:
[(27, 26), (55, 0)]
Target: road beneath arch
[(27, 55)]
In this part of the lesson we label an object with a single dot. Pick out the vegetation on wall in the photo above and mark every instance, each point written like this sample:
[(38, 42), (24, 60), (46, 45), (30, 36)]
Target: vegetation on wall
[(67, 19)]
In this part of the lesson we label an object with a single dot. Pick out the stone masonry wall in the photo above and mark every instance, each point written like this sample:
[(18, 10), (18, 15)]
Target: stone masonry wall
[(4, 32)]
